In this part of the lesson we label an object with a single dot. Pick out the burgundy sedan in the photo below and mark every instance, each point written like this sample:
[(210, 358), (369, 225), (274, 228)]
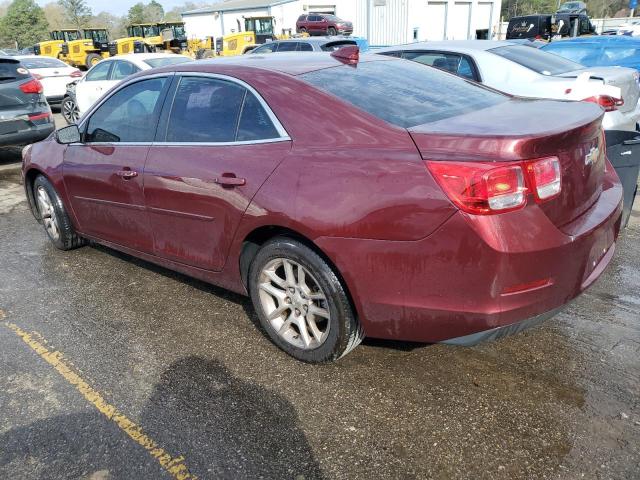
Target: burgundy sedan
[(347, 198)]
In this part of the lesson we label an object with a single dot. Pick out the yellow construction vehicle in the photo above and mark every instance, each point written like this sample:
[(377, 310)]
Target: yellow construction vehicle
[(53, 47), (174, 38), (88, 50), (141, 38), (257, 30)]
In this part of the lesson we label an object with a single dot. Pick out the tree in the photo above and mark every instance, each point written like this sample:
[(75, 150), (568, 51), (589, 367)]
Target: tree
[(55, 16), (77, 12), (173, 15), (153, 12), (136, 13), (24, 24), (115, 25)]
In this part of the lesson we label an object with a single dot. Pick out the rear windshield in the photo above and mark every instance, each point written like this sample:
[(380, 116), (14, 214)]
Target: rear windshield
[(332, 46), (42, 63), (543, 63), (404, 93), (164, 61), (11, 70)]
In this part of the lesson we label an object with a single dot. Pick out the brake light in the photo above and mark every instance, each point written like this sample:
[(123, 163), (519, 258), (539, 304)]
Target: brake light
[(607, 102), (485, 188), (481, 188), (76, 74), (545, 177), (349, 54), (39, 116), (32, 86)]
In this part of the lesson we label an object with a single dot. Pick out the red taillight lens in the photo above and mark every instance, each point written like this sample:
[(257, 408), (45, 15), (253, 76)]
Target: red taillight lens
[(481, 188), (544, 175), (607, 102), (76, 74), (39, 116), (485, 188), (32, 86)]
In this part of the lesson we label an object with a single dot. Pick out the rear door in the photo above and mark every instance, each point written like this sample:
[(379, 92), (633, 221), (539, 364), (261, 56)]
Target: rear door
[(93, 86), (217, 144), (104, 174)]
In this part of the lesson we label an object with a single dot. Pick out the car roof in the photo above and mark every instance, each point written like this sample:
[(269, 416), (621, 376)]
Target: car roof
[(450, 45), (618, 39), (318, 40), (291, 63)]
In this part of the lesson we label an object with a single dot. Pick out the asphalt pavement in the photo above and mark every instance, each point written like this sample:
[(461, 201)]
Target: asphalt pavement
[(112, 368)]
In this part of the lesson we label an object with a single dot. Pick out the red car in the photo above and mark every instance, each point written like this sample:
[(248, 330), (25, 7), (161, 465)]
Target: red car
[(405, 204), (323, 24)]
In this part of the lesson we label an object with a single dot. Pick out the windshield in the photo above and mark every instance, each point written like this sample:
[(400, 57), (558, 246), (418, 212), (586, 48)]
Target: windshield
[(164, 61), (403, 93), (150, 31), (570, 6), (332, 18), (70, 36), (96, 35), (42, 62), (263, 26), (541, 62)]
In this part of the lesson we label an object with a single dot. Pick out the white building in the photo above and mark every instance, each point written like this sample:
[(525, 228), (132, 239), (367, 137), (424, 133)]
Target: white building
[(382, 22)]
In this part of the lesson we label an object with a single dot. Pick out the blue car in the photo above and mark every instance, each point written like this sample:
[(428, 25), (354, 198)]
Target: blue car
[(599, 51)]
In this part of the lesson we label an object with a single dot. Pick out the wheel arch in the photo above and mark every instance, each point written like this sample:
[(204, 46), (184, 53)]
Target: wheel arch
[(261, 235), (29, 178)]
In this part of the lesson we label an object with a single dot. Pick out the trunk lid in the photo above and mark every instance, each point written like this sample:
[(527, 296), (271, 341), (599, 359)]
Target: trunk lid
[(522, 129), (626, 79)]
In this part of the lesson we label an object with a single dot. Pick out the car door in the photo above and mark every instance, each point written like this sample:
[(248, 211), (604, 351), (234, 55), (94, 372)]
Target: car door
[(93, 85), (104, 173), (216, 145)]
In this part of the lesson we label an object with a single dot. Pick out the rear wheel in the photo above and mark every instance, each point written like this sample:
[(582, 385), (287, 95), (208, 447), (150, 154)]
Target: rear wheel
[(331, 31), (92, 59), (54, 216), (69, 110), (301, 303), (302, 30)]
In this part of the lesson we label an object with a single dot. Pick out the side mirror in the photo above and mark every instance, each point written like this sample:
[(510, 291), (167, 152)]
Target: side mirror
[(67, 135)]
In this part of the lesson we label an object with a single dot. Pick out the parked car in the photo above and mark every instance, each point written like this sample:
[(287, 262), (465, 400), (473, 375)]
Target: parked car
[(530, 72), (388, 209), (52, 73), (110, 71), (572, 7), (630, 28), (599, 51), (25, 116), (546, 26), (323, 24), (307, 44)]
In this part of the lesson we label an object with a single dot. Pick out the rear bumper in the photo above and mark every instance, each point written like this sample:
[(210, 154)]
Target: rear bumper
[(34, 134), (478, 277), (618, 120)]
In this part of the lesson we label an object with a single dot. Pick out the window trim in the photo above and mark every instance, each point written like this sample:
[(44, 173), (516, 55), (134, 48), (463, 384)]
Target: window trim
[(283, 134), (113, 66)]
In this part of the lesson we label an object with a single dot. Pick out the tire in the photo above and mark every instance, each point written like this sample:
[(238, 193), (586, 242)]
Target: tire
[(302, 30), (54, 216), (69, 110), (318, 303), (91, 60), (331, 31)]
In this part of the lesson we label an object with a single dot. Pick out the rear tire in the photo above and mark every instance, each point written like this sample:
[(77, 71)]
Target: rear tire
[(301, 303), (54, 216), (91, 60)]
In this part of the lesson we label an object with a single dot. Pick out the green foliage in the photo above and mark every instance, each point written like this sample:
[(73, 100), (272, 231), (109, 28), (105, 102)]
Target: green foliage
[(136, 13), (23, 25), (149, 13), (77, 13), (595, 8)]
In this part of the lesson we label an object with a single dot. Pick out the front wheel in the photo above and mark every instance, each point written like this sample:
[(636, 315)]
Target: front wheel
[(54, 216), (301, 303), (69, 110), (331, 31)]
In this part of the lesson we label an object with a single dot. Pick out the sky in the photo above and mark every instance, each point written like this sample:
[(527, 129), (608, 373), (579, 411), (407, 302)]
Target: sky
[(118, 7)]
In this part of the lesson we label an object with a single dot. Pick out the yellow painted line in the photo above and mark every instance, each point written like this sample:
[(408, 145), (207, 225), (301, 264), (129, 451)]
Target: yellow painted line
[(176, 466)]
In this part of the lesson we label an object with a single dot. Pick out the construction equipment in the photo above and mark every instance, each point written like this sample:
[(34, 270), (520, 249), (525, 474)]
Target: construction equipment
[(86, 51), (174, 38), (257, 30), (53, 47), (141, 38)]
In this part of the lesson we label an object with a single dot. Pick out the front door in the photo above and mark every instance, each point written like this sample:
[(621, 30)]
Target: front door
[(220, 145), (104, 174), (93, 86)]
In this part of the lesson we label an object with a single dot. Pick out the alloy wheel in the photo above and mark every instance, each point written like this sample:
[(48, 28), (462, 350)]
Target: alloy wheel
[(294, 303), (70, 111), (47, 212)]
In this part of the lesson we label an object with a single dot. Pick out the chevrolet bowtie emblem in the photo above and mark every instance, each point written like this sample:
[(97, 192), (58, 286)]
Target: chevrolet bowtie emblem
[(592, 156)]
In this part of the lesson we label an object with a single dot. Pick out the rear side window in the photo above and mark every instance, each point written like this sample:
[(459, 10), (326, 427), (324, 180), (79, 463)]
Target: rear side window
[(305, 47), (269, 47), (288, 47), (402, 93), (211, 110), (122, 69), (99, 72), (541, 62), (11, 70)]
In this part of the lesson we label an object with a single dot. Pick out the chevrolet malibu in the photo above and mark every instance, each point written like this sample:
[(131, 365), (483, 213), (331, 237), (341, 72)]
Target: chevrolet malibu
[(347, 195)]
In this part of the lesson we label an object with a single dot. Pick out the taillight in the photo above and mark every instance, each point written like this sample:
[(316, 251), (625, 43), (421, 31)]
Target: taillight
[(39, 116), (76, 74), (544, 175), (607, 102), (32, 86), (485, 188)]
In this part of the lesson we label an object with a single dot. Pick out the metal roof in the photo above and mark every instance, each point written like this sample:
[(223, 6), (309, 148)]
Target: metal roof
[(231, 5)]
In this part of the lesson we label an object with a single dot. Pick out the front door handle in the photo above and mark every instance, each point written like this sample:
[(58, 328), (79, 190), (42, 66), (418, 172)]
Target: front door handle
[(127, 174), (230, 180)]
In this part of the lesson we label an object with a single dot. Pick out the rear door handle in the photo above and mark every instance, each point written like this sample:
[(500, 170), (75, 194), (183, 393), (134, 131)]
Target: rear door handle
[(127, 174), (230, 180)]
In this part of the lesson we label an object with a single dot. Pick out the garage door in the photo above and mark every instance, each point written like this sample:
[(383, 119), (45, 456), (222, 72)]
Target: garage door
[(459, 22), (436, 21), (482, 15)]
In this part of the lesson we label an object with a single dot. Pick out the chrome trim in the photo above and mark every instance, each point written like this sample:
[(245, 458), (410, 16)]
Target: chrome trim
[(220, 144)]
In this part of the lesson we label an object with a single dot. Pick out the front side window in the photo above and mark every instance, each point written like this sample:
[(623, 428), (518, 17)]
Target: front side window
[(540, 62), (448, 62), (269, 47), (288, 47), (129, 115), (211, 110), (122, 69), (305, 47), (405, 94), (99, 73)]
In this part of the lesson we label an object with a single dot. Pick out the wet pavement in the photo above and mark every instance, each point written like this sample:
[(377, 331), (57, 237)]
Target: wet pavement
[(160, 376)]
